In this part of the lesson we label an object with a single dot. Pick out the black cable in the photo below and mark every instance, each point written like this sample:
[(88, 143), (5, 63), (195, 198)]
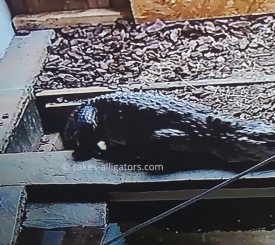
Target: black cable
[(190, 201)]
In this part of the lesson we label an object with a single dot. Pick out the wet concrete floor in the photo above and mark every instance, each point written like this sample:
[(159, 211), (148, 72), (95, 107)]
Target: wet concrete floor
[(154, 236), (65, 236), (208, 222), (148, 236), (63, 223)]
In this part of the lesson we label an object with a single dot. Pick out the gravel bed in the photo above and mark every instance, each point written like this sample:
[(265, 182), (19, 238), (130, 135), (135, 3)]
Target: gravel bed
[(50, 143), (158, 52), (253, 102), (45, 140)]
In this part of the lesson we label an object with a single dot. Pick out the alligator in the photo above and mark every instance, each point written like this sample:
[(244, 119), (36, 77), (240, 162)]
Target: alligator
[(152, 122)]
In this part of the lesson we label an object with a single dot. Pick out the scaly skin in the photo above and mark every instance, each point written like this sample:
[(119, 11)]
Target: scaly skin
[(153, 122)]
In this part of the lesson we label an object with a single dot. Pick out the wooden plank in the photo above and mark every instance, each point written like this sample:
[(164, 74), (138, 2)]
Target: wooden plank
[(151, 86), (124, 7), (40, 6), (36, 168), (145, 10), (74, 91), (12, 205), (63, 215), (188, 194), (97, 4), (60, 19), (17, 7), (61, 105)]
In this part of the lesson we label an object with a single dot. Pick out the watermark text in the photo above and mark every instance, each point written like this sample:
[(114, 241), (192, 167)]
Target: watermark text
[(111, 167)]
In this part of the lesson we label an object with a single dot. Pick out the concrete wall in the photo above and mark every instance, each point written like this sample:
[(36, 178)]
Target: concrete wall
[(6, 31), (150, 10)]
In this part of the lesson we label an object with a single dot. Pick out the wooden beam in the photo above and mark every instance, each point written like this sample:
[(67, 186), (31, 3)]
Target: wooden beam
[(60, 105), (74, 91), (188, 194), (64, 18), (152, 86)]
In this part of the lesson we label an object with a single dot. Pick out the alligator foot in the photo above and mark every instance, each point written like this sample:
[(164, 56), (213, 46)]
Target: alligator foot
[(86, 152)]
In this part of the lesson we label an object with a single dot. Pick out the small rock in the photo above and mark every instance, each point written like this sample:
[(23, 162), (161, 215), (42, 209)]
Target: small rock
[(174, 35), (204, 47), (253, 45), (43, 78), (239, 24), (5, 116), (220, 59), (243, 43), (157, 26)]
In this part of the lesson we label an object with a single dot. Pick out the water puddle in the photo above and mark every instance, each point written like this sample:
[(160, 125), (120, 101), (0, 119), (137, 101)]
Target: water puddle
[(150, 235), (67, 236)]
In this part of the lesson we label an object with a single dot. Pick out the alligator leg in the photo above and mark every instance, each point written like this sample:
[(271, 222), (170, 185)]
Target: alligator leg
[(164, 139), (86, 145)]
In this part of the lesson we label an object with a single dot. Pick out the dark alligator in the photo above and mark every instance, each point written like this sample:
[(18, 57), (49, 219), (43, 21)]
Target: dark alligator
[(153, 122)]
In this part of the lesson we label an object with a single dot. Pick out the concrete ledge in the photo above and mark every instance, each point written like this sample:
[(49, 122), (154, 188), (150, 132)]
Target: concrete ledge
[(36, 168), (18, 114), (12, 200), (63, 215), (21, 128), (24, 60), (27, 130), (12, 103)]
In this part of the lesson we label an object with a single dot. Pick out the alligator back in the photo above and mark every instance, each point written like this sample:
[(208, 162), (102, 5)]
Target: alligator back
[(152, 121)]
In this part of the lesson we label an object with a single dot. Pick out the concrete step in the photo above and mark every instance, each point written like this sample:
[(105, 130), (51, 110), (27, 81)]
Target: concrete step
[(12, 205), (35, 168)]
